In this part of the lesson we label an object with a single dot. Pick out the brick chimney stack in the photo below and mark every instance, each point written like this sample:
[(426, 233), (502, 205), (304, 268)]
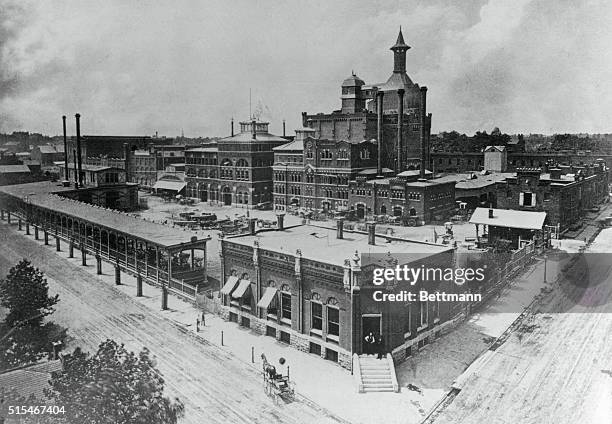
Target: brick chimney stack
[(340, 228), (280, 221), (78, 140), (371, 233), (423, 136), (379, 107)]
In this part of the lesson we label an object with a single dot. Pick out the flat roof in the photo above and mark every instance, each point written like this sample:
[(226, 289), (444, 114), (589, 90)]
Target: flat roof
[(92, 168), (41, 194), (465, 181), (7, 169), (509, 218), (320, 244)]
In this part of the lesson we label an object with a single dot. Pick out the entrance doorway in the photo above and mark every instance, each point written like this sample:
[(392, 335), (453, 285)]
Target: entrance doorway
[(360, 211), (227, 196), (370, 324)]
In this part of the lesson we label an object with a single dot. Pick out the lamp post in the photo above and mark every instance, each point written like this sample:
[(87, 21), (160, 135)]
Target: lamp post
[(545, 258)]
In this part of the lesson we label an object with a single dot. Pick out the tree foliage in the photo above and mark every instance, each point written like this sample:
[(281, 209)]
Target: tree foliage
[(24, 336), (113, 386)]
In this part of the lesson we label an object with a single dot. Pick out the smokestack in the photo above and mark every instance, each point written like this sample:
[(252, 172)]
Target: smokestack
[(379, 107), (253, 134), (340, 228), (400, 125), (66, 179), (76, 172), (126, 154), (422, 138), (280, 221), (371, 233), (232, 127), (252, 223), (283, 128), (490, 212), (304, 119), (78, 136)]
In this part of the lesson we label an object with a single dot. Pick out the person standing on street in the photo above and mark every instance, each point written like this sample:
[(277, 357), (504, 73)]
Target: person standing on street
[(370, 342)]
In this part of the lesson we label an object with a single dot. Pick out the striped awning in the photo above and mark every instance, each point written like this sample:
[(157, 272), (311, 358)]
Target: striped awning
[(229, 284), (267, 297), (241, 289)]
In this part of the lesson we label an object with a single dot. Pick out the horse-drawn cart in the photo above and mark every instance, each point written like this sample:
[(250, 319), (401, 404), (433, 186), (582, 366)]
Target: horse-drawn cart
[(277, 385)]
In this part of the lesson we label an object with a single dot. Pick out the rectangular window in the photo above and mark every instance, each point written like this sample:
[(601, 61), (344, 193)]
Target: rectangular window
[(316, 312), (423, 313), (333, 321), (286, 306)]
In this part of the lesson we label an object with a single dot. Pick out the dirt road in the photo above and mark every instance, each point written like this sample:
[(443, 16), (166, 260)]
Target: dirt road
[(215, 387), (557, 367)]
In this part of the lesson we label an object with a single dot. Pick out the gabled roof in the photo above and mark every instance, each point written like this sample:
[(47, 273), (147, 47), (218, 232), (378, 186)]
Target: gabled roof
[(492, 148), (7, 169), (294, 146)]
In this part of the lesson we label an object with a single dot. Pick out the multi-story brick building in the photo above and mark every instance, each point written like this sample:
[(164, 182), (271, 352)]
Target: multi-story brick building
[(371, 112), (415, 202), (315, 173), (563, 192), (238, 170), (310, 287)]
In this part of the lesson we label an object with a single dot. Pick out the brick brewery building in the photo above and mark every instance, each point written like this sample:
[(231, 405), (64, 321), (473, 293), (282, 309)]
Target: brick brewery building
[(311, 287), (341, 161), (564, 192), (237, 170)]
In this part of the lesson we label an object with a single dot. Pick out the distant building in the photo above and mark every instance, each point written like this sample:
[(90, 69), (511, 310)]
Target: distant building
[(15, 174), (238, 170), (102, 185), (495, 158), (565, 193)]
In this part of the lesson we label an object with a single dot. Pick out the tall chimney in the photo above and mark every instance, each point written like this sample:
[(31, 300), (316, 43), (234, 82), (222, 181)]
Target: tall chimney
[(490, 212), (423, 116), (78, 136), (371, 233), (232, 127), (400, 125), (379, 107), (304, 119), (283, 128), (126, 154), (252, 223), (340, 228), (65, 150), (76, 171), (253, 134), (280, 221)]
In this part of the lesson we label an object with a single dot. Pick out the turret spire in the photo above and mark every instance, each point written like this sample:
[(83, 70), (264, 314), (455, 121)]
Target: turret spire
[(399, 53)]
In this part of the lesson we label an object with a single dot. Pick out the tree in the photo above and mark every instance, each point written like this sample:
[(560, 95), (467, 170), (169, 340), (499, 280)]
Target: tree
[(25, 293), (24, 338), (113, 386)]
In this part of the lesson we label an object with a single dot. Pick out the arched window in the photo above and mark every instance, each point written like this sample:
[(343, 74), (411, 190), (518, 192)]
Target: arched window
[(316, 314), (333, 319), (285, 299)]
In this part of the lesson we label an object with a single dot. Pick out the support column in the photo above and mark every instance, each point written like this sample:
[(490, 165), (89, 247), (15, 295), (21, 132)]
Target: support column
[(57, 244), (8, 217), (70, 248), (164, 299), (379, 107), (117, 274), (139, 285), (98, 264), (35, 232), (400, 131), (27, 228), (2, 214), (46, 237), (83, 255), (19, 224)]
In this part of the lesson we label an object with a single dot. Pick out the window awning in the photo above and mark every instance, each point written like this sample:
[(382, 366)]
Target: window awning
[(267, 297), (229, 284), (241, 289)]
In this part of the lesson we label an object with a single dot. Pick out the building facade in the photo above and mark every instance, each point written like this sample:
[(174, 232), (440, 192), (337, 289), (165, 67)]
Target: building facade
[(319, 300), (238, 170), (565, 193)]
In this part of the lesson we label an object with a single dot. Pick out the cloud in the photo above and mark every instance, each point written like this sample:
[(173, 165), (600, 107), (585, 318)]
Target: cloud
[(140, 67)]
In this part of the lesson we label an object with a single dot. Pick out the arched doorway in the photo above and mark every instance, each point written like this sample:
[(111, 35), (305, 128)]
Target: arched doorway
[(383, 210), (397, 211), (227, 196), (412, 212), (360, 211)]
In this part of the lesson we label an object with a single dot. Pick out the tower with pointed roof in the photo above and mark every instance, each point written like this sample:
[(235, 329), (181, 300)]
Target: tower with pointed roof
[(399, 53)]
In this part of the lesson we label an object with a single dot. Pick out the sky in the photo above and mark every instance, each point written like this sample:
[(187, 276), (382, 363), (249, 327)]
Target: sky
[(134, 67)]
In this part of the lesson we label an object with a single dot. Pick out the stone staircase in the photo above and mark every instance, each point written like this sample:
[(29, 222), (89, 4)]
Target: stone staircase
[(375, 375)]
